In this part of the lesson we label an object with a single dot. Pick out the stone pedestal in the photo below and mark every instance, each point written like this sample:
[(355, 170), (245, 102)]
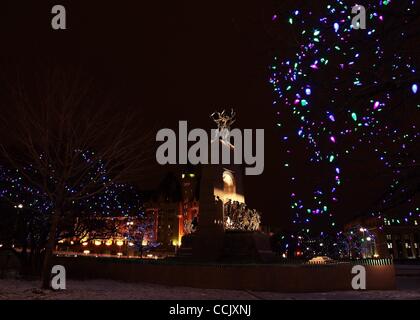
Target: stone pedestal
[(229, 246), (244, 246), (211, 242), (207, 243)]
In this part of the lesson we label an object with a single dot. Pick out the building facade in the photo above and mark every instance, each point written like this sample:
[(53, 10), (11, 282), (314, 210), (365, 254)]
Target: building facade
[(387, 237)]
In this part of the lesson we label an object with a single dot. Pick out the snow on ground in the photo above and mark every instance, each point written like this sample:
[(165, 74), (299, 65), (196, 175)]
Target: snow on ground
[(409, 288)]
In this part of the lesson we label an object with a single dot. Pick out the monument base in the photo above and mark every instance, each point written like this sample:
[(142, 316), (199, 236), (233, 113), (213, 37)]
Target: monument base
[(227, 246), (247, 246)]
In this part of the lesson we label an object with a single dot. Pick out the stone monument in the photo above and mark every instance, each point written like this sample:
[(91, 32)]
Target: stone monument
[(217, 238)]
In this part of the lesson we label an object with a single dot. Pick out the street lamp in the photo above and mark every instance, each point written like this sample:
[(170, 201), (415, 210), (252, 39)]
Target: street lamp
[(370, 246), (18, 208), (363, 245)]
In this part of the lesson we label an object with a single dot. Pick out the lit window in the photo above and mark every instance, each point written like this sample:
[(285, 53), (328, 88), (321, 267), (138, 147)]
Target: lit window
[(228, 182)]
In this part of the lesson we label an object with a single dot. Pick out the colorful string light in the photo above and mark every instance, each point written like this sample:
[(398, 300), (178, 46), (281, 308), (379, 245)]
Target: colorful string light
[(342, 89)]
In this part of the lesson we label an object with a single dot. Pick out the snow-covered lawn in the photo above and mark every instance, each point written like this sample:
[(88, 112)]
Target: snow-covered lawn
[(107, 289)]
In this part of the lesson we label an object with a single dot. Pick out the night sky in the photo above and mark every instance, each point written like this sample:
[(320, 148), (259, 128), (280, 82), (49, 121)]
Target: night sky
[(178, 60)]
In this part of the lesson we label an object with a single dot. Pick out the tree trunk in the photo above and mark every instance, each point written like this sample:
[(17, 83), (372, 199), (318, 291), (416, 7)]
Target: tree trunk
[(49, 248)]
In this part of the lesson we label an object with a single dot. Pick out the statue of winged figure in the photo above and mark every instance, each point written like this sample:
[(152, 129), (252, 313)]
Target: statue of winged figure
[(224, 122)]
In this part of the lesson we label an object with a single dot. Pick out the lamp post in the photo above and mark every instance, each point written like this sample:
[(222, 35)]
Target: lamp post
[(18, 208), (363, 242), (370, 243)]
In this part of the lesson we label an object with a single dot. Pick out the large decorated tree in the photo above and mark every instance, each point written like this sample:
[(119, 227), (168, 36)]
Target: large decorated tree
[(348, 95)]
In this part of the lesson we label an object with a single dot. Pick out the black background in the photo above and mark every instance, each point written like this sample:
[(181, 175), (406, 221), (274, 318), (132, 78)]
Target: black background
[(178, 60)]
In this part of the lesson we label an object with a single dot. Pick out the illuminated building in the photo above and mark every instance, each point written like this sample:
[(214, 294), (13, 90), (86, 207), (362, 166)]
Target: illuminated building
[(130, 238), (388, 237)]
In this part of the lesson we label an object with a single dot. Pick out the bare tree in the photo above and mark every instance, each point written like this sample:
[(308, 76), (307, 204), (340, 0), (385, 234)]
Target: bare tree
[(69, 145)]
